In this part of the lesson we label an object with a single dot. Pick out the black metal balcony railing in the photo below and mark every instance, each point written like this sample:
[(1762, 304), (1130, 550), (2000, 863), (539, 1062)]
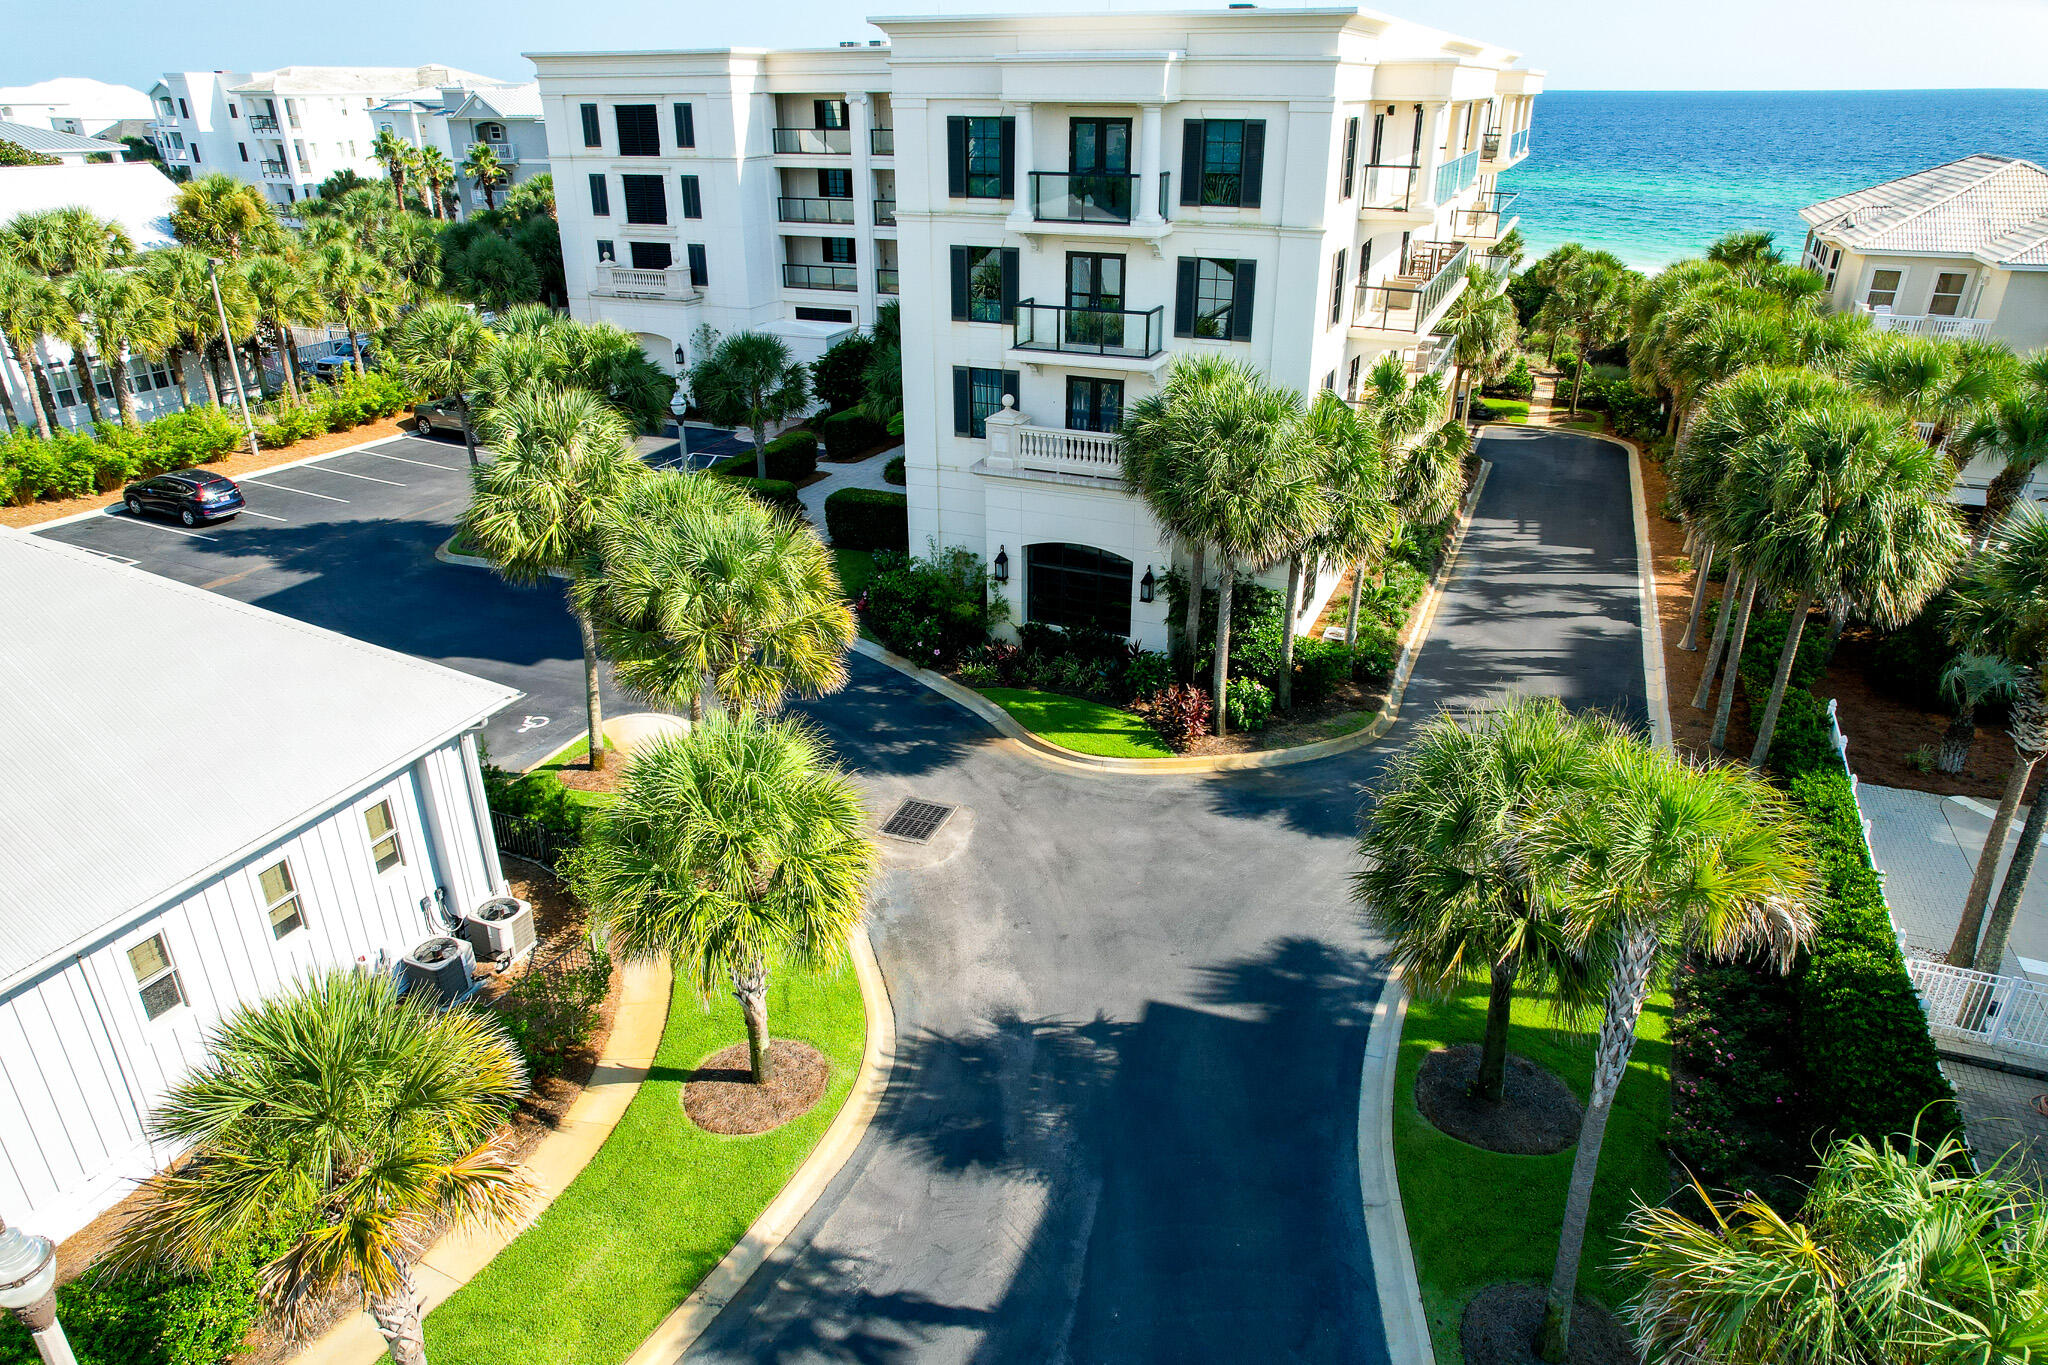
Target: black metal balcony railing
[(814, 210), (1489, 216), (1082, 196), (885, 213), (882, 141), (1387, 185), (815, 141), (1411, 301), (841, 277), (262, 123), (277, 168), (1089, 331), (885, 279)]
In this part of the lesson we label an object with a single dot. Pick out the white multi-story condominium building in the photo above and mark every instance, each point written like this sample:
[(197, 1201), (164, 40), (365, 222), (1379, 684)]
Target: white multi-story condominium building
[(1960, 250), (1063, 204), (73, 104), (456, 118), (745, 189), (286, 130)]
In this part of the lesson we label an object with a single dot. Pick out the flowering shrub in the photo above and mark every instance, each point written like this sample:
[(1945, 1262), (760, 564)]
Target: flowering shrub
[(1180, 715), (1248, 704)]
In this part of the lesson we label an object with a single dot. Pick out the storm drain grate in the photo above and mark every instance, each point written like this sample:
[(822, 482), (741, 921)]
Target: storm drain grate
[(916, 821)]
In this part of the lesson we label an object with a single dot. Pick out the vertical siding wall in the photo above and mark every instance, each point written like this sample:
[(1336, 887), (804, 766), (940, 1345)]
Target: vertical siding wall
[(81, 1065)]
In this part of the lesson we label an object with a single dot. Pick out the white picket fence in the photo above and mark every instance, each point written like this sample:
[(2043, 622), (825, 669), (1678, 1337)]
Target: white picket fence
[(1999, 1012)]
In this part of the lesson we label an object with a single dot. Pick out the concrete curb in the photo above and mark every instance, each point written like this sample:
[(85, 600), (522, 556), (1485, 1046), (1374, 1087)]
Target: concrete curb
[(112, 507), (1656, 692), (1045, 750), (679, 1330), (1386, 1224), (456, 1259), (448, 556)]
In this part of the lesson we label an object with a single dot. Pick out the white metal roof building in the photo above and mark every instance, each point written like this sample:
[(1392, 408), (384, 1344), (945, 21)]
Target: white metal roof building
[(203, 801), (68, 147)]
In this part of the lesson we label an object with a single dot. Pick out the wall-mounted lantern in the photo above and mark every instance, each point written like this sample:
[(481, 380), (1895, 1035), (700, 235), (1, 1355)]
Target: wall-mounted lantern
[(1002, 564), (1146, 585)]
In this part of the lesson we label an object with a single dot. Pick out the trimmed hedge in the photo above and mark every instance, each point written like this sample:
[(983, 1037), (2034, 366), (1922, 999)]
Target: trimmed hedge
[(792, 457), (868, 519), (780, 494), (892, 472), (849, 435)]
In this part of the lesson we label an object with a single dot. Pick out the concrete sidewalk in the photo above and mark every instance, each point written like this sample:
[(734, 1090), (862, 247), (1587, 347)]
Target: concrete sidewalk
[(1927, 847), (860, 474)]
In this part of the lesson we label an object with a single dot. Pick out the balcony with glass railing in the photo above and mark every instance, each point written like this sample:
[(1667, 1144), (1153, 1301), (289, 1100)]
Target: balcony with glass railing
[(1433, 356), (885, 213), (505, 151), (274, 170), (1456, 176), (882, 141), (886, 280), (1387, 187), (1488, 220), (814, 141), (791, 210), (1083, 196), (1125, 333), (262, 123), (1411, 302), (1518, 145), (845, 278)]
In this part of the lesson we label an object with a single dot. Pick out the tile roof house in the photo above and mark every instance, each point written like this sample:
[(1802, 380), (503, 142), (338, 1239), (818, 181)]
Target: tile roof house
[(1959, 250)]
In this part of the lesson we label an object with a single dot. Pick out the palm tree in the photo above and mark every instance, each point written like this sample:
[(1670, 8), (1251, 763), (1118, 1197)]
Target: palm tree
[(882, 379), (564, 459), (1511, 248), (122, 316), (1969, 682), (285, 298), (29, 304), (1665, 853), (56, 242), (1218, 455), (704, 588), (1937, 383), (1745, 251), (1359, 519), (748, 379), (375, 1114), (439, 349), (1902, 1253), (2000, 608), (225, 217), (1589, 300), (2013, 430), (361, 292), (1481, 325), (182, 277), (436, 172), (732, 851), (483, 166), (1860, 514), (396, 154), (1449, 877)]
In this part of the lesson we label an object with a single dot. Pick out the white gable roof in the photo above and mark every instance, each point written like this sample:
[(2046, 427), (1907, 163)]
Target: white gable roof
[(1992, 208), (134, 194), (54, 143), (158, 734)]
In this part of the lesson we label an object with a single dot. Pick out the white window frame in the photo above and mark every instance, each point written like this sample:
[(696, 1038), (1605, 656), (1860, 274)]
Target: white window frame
[(391, 836), (1871, 290), (1962, 292), (143, 984), (291, 897)]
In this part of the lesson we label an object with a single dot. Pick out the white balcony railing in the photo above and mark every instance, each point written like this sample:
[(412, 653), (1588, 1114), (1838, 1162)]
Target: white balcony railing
[(1928, 324), (1056, 451), (625, 282), (507, 152), (2004, 1013)]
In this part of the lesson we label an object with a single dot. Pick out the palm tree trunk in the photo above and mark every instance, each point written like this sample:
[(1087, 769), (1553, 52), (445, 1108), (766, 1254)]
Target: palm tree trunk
[(1731, 669), (1786, 658), (217, 382), (400, 1322), (1625, 996), (1956, 740), (1700, 575), (1283, 685), (750, 988), (32, 377), (760, 431), (44, 388), (208, 377), (593, 706), (1351, 615), (124, 392), (468, 433), (1578, 378), (2014, 889), (1491, 1080), (1718, 646), (88, 382), (356, 344), (1191, 613), (1962, 950), (1219, 679)]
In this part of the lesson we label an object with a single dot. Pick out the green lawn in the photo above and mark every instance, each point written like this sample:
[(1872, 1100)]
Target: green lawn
[(855, 567), (660, 1203), (1476, 1217), (1085, 726)]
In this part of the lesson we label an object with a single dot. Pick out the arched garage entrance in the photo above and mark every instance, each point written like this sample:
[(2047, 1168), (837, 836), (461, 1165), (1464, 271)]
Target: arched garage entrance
[(1076, 586)]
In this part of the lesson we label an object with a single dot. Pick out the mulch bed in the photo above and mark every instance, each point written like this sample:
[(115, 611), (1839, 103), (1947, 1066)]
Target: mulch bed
[(1501, 1321), (720, 1096), (1537, 1114)]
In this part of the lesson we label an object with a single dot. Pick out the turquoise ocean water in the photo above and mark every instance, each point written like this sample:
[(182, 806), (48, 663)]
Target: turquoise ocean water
[(1656, 175)]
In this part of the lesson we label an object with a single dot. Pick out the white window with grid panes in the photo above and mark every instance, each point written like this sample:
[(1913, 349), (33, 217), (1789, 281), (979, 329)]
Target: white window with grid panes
[(387, 851), (281, 903), (156, 976)]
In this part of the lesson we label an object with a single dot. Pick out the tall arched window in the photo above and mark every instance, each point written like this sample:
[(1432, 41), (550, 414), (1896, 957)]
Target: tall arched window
[(1077, 585)]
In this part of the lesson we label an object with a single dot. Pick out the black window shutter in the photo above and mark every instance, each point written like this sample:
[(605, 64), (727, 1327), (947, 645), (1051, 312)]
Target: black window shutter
[(686, 126), (1007, 144), (1011, 272), (1184, 297), (700, 271), (959, 284), (956, 157), (1191, 161), (1010, 389), (600, 200), (963, 402), (1241, 299), (1350, 155), (693, 199), (1254, 161), (592, 137)]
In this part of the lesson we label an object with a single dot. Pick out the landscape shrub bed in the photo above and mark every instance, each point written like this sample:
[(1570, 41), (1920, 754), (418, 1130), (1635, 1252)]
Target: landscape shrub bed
[(1515, 382), (850, 435), (868, 519), (553, 1012), (792, 457), (930, 611), (893, 472), (1500, 409), (780, 494)]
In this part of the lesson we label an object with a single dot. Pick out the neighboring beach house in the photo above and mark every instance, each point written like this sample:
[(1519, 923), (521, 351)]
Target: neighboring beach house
[(456, 118), (70, 149), (1960, 250), (208, 800)]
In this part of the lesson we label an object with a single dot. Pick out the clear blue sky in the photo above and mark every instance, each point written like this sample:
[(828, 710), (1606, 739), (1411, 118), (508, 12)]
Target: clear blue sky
[(1583, 44)]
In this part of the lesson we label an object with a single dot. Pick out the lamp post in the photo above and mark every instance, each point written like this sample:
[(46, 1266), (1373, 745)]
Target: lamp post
[(28, 1279), (228, 344)]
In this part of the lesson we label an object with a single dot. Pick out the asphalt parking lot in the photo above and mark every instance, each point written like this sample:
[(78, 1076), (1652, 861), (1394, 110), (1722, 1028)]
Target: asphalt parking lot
[(347, 542)]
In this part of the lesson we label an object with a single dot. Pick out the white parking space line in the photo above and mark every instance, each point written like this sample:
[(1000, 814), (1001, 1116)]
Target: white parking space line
[(159, 526), (105, 554), (423, 464), (252, 512), (329, 497), (366, 478)]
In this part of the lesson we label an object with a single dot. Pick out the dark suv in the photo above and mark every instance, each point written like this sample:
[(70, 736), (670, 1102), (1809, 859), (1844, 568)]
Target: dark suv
[(190, 495)]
